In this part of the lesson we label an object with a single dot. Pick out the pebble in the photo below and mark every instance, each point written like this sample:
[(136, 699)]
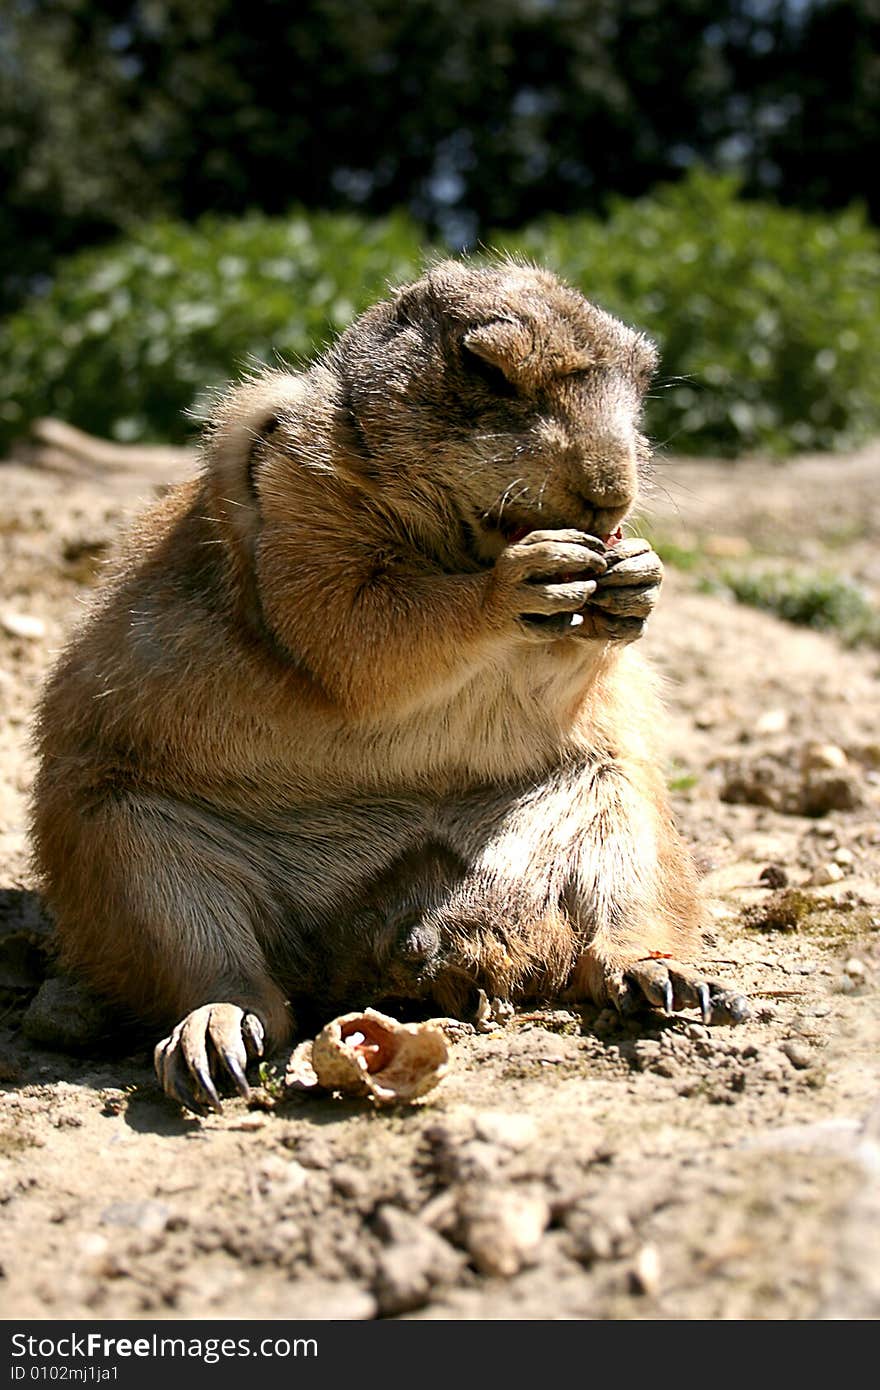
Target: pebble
[(826, 874), (855, 969), (696, 1031), (22, 625), (646, 1271), (774, 875), (800, 1057), (602, 1237), (772, 721), (62, 1014), (502, 1229), (844, 856), (821, 757), (95, 1257)]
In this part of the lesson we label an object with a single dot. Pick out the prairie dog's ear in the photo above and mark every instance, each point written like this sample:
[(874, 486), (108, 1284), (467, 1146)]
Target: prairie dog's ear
[(504, 343)]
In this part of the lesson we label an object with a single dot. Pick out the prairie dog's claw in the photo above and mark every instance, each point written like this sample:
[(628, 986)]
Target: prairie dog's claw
[(212, 1040), (671, 986)]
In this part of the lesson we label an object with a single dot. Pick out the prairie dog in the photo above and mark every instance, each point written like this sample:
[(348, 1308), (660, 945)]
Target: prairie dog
[(359, 715)]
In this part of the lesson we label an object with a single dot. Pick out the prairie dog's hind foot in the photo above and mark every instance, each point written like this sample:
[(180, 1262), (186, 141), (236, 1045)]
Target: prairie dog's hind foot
[(213, 1040), (671, 986), (658, 982)]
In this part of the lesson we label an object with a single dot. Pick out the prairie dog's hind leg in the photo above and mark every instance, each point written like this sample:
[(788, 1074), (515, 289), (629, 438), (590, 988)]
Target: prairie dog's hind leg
[(634, 899), (580, 889), (165, 910)]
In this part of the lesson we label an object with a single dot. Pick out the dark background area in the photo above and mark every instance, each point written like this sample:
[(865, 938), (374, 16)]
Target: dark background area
[(472, 117)]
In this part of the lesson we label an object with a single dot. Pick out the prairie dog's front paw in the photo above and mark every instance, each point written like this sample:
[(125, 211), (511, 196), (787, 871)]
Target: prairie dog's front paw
[(541, 580), (626, 593), (210, 1041)]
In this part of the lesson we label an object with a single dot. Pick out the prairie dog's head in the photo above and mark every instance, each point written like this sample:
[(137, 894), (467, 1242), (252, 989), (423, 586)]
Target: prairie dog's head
[(504, 393)]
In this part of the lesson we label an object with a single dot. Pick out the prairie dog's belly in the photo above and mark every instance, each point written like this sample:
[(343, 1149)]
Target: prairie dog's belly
[(324, 863)]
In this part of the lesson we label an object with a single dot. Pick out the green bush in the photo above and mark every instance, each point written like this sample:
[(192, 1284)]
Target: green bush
[(768, 320), (821, 600), (131, 336)]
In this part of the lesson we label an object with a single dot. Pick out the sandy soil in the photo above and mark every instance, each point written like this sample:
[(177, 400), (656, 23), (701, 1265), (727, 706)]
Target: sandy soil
[(570, 1166)]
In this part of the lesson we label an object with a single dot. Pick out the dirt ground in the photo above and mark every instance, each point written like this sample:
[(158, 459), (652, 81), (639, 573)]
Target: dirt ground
[(571, 1165)]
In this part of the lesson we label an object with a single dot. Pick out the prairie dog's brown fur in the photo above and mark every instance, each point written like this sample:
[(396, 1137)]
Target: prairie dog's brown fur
[(307, 747)]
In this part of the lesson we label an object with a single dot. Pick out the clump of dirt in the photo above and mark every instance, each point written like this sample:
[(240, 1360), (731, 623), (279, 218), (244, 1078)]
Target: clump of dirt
[(808, 781), (571, 1164)]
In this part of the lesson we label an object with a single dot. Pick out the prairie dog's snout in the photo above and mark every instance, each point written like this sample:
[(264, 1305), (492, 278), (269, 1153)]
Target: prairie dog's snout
[(598, 466)]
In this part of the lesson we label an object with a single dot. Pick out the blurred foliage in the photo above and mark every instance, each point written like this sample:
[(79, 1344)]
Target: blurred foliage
[(823, 600), (768, 320), (470, 116), (131, 336)]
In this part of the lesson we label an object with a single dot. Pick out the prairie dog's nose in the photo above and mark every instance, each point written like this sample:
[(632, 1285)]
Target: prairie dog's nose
[(608, 474), (607, 481)]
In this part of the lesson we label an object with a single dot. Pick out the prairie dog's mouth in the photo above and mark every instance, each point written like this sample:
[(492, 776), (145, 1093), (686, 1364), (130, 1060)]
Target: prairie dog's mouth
[(490, 536), (519, 533)]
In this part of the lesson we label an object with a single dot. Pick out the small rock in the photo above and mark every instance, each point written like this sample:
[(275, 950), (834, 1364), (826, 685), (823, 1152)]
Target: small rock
[(22, 625), (774, 875), (855, 969), (799, 1055), (63, 1014), (772, 721), (602, 1236), (95, 1257), (313, 1151), (501, 1228), (697, 1031), (822, 757), (825, 791), (608, 1021), (645, 1273), (825, 874), (473, 1161)]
